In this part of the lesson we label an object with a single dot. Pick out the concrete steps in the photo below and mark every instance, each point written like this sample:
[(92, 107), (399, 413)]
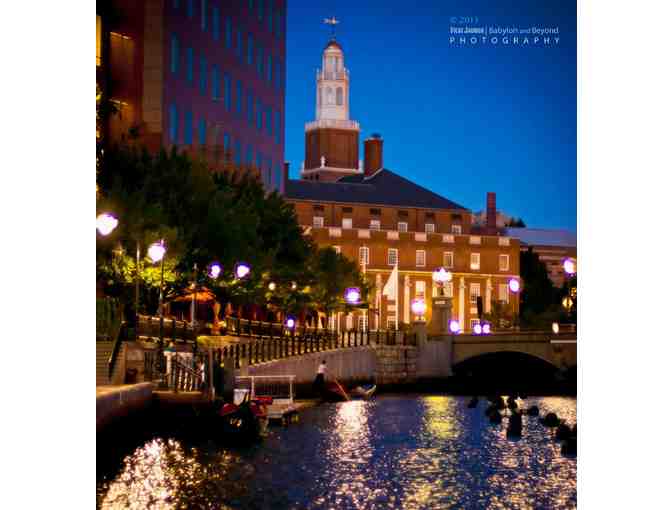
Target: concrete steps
[(103, 352)]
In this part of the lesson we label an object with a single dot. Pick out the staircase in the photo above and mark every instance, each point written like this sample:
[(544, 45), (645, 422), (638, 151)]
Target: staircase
[(103, 353)]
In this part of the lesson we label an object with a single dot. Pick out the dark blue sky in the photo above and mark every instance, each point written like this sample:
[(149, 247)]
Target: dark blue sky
[(459, 120)]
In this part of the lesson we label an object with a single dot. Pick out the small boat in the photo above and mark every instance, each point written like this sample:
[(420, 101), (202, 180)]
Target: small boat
[(246, 421), (364, 392), (334, 392)]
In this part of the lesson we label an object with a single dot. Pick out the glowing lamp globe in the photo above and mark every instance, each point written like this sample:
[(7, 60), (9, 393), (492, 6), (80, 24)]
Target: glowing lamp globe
[(440, 275), (569, 265), (106, 223), (567, 302), (556, 328), (293, 285), (271, 286), (241, 270), (418, 306), (353, 295), (290, 322), (156, 251), (215, 270), (486, 329), (514, 285), (478, 329), (454, 326)]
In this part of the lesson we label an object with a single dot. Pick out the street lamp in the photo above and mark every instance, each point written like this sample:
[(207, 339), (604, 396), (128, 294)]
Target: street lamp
[(555, 327), (157, 252), (486, 328), (514, 285), (419, 307), (241, 270), (290, 322), (569, 265), (477, 328), (214, 270), (441, 277), (454, 326), (272, 286), (106, 223), (353, 295)]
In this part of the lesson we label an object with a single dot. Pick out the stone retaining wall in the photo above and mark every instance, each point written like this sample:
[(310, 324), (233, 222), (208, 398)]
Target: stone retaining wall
[(116, 402), (396, 364)]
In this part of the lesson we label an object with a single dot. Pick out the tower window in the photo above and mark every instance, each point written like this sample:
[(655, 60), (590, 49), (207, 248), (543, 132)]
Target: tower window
[(339, 96), (330, 96)]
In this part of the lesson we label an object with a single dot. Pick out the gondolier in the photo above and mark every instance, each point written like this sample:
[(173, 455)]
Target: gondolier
[(319, 383)]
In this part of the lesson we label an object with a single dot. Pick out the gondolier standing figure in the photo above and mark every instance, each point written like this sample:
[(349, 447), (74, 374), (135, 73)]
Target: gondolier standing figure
[(318, 384)]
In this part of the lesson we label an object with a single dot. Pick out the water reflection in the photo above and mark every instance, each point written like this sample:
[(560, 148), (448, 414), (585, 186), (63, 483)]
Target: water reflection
[(393, 452)]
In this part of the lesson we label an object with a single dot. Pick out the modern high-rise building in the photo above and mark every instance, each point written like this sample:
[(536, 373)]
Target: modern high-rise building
[(206, 76)]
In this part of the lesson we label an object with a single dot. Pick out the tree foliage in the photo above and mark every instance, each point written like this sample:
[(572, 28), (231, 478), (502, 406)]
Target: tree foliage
[(204, 217)]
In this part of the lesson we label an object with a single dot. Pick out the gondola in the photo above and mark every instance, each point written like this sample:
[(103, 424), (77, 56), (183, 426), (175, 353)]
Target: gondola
[(245, 422), (364, 392)]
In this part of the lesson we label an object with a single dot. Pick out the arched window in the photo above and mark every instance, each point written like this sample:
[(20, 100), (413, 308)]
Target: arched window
[(319, 96), (330, 95), (339, 96)]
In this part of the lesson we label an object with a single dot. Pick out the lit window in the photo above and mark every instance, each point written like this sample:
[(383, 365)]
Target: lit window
[(420, 288), (448, 259), (504, 241), (348, 321), (474, 240), (504, 292), (391, 323), (174, 54), (402, 226), (420, 258), (503, 262), (362, 321), (448, 289), (392, 256), (474, 322), (375, 225), (475, 261), (337, 249), (318, 222), (363, 255), (474, 292), (456, 229), (429, 228), (99, 38), (346, 222), (188, 128)]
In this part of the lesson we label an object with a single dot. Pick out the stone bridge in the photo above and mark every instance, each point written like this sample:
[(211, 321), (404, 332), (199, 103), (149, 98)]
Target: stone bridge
[(433, 357)]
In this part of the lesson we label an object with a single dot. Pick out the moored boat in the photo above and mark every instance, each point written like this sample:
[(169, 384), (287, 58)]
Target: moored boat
[(364, 392), (334, 392)]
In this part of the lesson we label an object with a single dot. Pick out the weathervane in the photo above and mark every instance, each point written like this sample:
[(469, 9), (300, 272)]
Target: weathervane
[(333, 22)]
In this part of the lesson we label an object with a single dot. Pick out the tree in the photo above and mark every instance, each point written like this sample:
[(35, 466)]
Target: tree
[(516, 222), (539, 299)]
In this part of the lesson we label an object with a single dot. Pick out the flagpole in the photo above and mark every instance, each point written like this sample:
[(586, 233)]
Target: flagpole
[(396, 302)]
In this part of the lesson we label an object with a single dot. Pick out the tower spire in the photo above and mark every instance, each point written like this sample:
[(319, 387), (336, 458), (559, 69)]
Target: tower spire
[(333, 22)]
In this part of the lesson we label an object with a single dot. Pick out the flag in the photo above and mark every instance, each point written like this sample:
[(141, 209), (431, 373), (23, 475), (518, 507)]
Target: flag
[(390, 289)]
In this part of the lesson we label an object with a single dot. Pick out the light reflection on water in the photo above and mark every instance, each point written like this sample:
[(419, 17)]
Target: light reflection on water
[(395, 451)]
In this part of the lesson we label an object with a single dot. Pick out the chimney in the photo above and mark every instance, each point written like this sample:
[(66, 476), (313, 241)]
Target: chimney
[(373, 154), (285, 178), (491, 213)]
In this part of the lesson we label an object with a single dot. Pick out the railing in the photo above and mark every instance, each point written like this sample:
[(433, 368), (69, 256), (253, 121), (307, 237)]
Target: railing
[(149, 327), (184, 378), (332, 123)]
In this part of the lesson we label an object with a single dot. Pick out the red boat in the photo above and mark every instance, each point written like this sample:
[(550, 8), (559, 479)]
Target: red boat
[(247, 421)]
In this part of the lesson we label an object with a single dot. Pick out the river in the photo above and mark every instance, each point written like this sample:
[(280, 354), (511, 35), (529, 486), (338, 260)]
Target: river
[(396, 451)]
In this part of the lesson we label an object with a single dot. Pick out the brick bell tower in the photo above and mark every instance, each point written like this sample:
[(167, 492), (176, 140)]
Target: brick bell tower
[(332, 139)]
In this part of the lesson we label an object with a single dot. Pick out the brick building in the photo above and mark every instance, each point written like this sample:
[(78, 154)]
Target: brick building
[(381, 219), (207, 76)]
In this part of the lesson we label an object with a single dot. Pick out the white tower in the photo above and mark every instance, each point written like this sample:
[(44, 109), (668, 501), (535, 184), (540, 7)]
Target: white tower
[(333, 82)]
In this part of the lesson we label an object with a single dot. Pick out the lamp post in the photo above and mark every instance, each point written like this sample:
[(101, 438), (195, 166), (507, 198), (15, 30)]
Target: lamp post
[(353, 295), (569, 266), (157, 252), (514, 287), (106, 223), (419, 307), (441, 277)]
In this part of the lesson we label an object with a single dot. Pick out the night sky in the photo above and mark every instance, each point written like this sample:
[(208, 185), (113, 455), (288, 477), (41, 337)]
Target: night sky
[(460, 120)]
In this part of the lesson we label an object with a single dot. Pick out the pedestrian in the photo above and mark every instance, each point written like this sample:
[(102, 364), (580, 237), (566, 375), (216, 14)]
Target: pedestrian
[(319, 383)]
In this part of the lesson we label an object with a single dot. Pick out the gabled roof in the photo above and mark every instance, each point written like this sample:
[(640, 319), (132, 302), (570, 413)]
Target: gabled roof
[(542, 236), (382, 188)]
